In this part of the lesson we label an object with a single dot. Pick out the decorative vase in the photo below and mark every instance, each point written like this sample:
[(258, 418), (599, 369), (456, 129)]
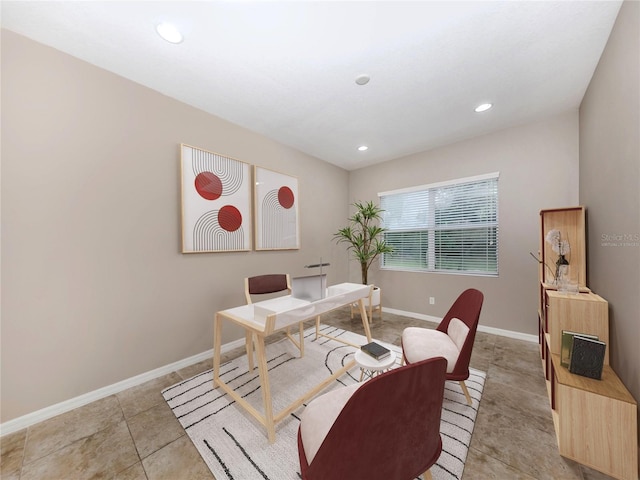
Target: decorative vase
[(562, 269)]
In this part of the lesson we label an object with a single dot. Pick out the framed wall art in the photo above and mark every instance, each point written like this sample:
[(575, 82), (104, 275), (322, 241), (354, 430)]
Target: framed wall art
[(216, 202), (276, 210)]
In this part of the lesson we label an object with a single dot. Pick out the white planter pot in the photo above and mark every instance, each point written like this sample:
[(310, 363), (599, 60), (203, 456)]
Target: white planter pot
[(371, 307), (375, 297)]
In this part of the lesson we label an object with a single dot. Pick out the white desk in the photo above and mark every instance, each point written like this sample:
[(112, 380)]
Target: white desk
[(264, 318)]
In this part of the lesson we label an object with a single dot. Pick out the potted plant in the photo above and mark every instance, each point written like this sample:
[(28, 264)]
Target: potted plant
[(365, 238)]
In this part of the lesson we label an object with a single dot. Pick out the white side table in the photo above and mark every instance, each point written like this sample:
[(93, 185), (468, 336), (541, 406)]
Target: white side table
[(371, 366)]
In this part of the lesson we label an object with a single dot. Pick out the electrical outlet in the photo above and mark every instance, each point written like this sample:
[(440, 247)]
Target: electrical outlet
[(432, 300)]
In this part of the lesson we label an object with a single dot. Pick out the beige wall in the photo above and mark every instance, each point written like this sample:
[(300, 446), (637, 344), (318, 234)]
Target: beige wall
[(94, 287), (610, 188), (538, 165)]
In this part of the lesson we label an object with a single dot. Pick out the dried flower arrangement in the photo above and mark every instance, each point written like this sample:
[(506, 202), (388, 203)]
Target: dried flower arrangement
[(562, 248)]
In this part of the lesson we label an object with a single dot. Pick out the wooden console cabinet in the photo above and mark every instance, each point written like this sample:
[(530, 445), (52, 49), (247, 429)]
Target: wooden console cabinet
[(595, 421)]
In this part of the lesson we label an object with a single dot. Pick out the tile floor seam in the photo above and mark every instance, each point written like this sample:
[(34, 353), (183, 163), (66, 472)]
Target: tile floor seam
[(508, 466), (24, 449), (137, 453), (496, 381), (165, 446), (124, 419), (74, 442), (133, 441), (157, 449)]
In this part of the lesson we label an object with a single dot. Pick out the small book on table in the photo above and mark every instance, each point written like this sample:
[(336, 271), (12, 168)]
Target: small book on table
[(376, 350)]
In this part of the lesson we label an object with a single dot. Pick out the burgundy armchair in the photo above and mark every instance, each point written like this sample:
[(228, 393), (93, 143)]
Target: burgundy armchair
[(452, 339), (386, 428)]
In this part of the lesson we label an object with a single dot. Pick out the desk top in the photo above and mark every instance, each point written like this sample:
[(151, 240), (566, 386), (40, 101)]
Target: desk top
[(274, 314)]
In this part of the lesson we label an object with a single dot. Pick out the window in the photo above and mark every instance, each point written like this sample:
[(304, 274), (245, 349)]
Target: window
[(446, 227)]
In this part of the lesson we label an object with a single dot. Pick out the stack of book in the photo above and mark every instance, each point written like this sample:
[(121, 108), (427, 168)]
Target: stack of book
[(376, 350), (582, 354)]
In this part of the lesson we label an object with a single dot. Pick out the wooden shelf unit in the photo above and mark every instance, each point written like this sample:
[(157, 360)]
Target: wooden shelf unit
[(595, 420), (583, 312)]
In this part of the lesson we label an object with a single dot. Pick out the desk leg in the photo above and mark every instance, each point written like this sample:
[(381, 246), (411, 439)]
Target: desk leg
[(365, 320), (301, 331), (266, 391), (300, 342), (248, 340), (217, 345)]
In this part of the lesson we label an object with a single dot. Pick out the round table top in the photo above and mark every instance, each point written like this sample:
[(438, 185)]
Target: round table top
[(367, 362)]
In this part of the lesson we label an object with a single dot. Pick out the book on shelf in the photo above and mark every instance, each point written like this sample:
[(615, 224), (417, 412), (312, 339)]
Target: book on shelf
[(587, 357), (376, 350), (567, 345)]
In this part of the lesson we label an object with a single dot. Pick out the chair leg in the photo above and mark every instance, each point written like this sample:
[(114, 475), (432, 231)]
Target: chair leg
[(317, 326), (466, 392), (427, 475)]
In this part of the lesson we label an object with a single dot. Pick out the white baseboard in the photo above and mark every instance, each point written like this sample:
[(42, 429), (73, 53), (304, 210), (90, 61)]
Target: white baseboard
[(68, 405), (494, 331), (419, 316)]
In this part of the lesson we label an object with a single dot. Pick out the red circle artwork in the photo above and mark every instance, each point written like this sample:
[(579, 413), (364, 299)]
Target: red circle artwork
[(208, 185), (285, 197), (229, 218)]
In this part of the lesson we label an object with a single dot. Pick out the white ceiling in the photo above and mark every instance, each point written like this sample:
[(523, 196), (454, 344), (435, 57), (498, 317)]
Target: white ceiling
[(287, 69)]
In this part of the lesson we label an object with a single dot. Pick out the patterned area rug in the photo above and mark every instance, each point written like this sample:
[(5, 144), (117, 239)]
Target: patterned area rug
[(235, 446)]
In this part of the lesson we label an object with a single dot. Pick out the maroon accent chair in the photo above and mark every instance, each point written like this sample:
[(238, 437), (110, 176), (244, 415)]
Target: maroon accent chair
[(263, 284), (452, 339), (387, 428)]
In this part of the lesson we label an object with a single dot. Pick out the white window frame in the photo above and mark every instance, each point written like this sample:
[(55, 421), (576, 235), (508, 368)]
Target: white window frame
[(421, 220)]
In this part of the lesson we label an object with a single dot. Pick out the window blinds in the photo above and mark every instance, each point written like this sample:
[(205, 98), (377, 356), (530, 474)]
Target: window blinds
[(446, 227)]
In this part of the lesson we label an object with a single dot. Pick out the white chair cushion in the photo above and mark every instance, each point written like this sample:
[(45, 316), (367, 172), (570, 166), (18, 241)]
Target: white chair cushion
[(423, 343), (318, 417), (458, 332)]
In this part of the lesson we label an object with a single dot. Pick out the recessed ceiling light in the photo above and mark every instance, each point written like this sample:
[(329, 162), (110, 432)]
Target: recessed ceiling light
[(362, 79), (169, 32), (484, 107), (363, 148)]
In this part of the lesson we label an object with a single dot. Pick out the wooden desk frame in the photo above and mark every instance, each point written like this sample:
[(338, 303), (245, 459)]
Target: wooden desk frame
[(259, 330)]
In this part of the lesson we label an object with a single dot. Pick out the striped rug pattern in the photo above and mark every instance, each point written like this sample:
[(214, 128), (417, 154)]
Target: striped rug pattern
[(234, 445)]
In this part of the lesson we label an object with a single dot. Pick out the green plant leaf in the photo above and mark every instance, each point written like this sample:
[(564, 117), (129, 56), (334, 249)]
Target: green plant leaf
[(364, 236)]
